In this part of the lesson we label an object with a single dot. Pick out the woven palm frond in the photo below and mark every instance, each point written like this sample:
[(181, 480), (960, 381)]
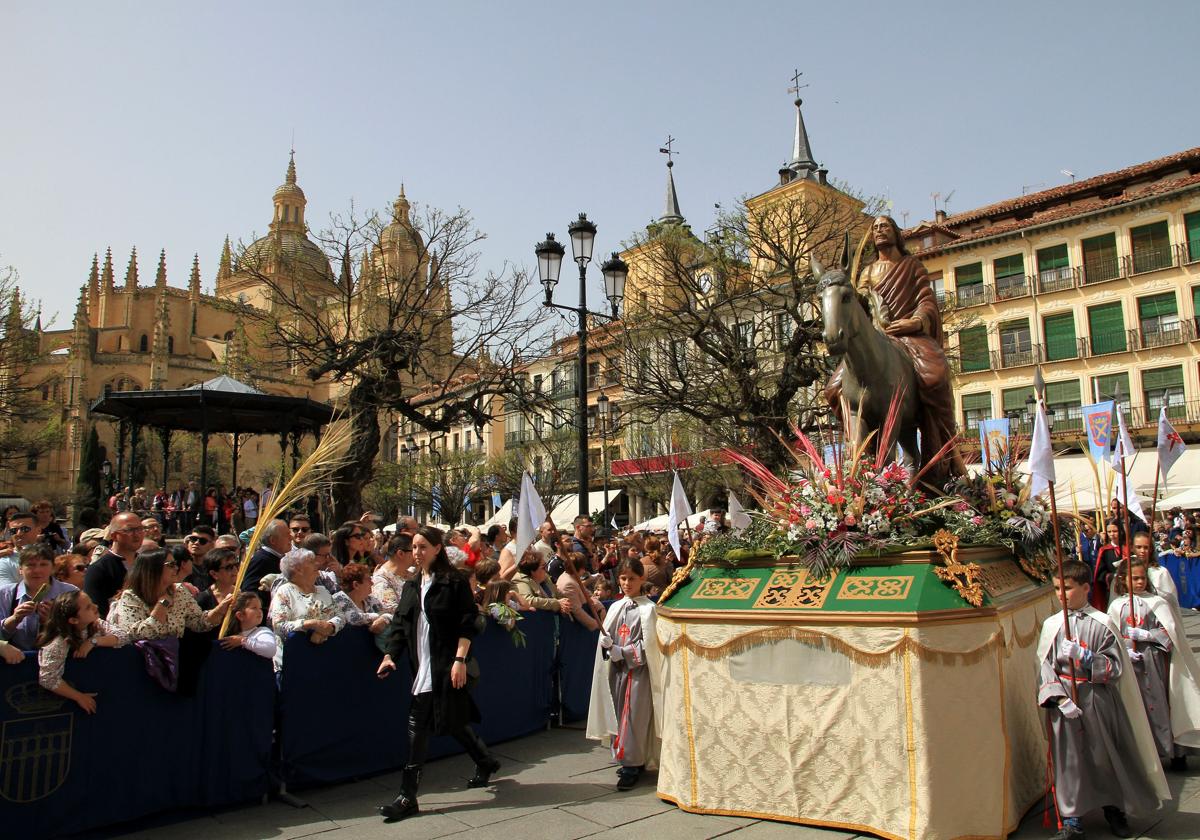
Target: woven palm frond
[(315, 470)]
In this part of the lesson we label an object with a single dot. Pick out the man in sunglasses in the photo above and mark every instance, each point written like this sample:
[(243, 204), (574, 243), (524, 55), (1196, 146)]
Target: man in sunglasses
[(24, 530), (300, 527), (198, 543), (106, 574)]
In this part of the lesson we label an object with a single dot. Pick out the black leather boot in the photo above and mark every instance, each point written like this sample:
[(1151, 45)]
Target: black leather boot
[(486, 764), (405, 803)]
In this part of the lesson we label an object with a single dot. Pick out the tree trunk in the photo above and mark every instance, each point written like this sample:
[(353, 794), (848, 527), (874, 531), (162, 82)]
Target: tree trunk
[(357, 471)]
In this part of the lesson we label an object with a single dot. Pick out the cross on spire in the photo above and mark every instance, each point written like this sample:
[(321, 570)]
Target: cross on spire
[(668, 151), (796, 86)]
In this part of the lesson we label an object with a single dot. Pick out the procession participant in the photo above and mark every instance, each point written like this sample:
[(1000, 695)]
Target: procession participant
[(1110, 554), (1167, 672), (435, 622), (1159, 578), (626, 704), (1102, 749)]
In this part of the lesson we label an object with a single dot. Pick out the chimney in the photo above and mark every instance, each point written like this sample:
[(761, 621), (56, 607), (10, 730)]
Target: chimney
[(940, 217), (823, 176)]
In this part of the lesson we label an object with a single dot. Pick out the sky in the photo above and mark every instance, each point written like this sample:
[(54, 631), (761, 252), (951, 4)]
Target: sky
[(168, 125)]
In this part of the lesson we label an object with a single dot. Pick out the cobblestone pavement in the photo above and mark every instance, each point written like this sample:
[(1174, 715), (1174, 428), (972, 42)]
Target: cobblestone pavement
[(559, 786)]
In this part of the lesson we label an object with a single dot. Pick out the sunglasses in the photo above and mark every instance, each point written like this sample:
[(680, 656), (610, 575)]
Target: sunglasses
[(301, 530), (194, 539), (23, 529), (79, 568), (232, 568)]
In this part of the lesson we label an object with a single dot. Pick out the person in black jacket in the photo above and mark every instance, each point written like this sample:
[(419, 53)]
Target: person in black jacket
[(434, 622), (276, 542)]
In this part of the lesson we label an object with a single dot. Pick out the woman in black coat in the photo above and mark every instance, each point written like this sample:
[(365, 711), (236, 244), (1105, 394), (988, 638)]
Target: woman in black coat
[(434, 623)]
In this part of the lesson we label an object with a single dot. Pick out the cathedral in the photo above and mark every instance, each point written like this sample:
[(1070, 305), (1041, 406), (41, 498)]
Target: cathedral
[(128, 336)]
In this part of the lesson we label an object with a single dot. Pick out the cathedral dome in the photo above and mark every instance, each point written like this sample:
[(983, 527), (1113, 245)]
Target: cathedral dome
[(400, 233), (296, 253)]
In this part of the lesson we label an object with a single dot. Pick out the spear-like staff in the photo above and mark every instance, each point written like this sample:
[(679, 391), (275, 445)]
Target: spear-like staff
[(1041, 465), (1123, 448)]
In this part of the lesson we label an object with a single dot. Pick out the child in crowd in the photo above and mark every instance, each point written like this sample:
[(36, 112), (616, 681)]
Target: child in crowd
[(1102, 750), (626, 703), (247, 612), (602, 588), (1166, 668), (73, 626)]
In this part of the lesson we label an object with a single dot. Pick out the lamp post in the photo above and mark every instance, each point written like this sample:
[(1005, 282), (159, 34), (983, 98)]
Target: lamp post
[(550, 255), (602, 415)]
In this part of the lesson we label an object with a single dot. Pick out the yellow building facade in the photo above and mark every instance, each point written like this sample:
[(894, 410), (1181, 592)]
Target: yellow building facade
[(1098, 282)]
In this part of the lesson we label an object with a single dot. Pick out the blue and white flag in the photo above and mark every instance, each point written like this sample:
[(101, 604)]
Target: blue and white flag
[(1097, 422), (496, 501), (994, 442), (436, 505)]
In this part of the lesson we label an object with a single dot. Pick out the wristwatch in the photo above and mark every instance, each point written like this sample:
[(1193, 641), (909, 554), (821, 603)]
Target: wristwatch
[(166, 602), (461, 659)]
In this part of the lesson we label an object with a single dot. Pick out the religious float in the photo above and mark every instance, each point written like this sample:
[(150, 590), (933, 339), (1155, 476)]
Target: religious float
[(862, 655)]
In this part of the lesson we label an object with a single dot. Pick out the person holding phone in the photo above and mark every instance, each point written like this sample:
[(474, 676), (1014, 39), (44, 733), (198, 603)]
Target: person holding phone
[(26, 604)]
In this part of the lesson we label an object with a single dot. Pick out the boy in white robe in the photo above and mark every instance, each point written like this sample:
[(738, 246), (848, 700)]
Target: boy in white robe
[(1102, 751), (626, 699)]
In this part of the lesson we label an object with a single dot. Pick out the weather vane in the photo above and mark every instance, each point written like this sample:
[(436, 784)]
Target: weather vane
[(668, 151), (796, 86)]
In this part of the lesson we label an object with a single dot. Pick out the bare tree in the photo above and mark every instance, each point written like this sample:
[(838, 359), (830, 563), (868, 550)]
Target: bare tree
[(441, 483), (550, 456), (409, 317), (28, 427), (729, 336)]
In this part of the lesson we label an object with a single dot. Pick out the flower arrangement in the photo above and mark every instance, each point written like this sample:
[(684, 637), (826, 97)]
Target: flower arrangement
[(507, 617), (997, 508)]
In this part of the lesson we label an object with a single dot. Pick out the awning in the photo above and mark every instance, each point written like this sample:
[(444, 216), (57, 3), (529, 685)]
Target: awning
[(564, 513), (500, 517), (660, 523)]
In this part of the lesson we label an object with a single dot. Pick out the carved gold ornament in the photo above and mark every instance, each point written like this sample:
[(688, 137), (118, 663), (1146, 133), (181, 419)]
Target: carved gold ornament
[(964, 577)]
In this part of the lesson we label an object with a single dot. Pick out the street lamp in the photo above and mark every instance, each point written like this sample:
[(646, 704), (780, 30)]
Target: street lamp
[(602, 415), (550, 254)]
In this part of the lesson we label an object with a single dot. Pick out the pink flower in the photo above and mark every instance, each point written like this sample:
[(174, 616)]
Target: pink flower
[(976, 520), (805, 510), (811, 524), (850, 520)]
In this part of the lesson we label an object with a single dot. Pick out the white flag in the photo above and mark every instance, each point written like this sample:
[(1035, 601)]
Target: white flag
[(680, 511), (1170, 445), (1041, 454), (531, 513), (1122, 462), (738, 518)]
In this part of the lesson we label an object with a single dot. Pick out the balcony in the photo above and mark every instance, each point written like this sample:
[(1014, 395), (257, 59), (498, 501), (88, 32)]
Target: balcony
[(1187, 252), (1102, 269), (1057, 279), (519, 437), (1179, 413), (976, 294), (562, 390), (1117, 342), (1010, 358), (1144, 260), (1167, 335), (1016, 286)]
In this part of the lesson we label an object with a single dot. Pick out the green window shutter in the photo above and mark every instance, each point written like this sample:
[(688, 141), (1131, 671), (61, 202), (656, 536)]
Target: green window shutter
[(1009, 266), (1106, 324), (1058, 393), (1157, 305), (1191, 223), (1160, 378), (1054, 257), (1150, 236), (1107, 386), (973, 348), (1196, 301), (968, 275), (1100, 247), (1013, 399), (1060, 337), (977, 402)]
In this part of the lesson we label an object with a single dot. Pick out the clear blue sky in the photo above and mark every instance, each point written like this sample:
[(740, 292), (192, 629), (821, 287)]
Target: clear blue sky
[(167, 125)]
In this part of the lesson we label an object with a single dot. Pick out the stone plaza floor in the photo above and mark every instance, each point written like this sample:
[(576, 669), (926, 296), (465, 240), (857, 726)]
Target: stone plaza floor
[(556, 785)]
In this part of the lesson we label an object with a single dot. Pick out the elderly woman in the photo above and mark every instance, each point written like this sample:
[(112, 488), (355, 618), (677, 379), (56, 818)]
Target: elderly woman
[(300, 606), (533, 584), (355, 603), (152, 607), (389, 578), (221, 566)]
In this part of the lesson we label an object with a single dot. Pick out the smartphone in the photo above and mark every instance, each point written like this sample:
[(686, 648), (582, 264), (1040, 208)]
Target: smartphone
[(41, 594)]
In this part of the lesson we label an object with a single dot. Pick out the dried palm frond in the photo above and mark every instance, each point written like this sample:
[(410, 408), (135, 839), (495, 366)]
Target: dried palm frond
[(329, 454)]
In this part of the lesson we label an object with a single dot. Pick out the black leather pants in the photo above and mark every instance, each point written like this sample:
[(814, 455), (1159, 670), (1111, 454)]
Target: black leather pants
[(420, 728)]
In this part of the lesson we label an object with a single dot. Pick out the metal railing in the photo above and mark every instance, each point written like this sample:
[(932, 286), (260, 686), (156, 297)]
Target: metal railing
[(1176, 333), (1115, 342), (518, 437), (1057, 279), (565, 388), (1011, 287), (1101, 269), (1179, 412), (1187, 252), (1143, 260), (1010, 358)]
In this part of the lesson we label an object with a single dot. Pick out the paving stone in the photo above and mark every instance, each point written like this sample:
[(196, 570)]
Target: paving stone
[(768, 830), (675, 825)]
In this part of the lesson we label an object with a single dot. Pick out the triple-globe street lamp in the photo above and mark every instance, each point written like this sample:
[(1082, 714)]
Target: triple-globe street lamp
[(550, 256)]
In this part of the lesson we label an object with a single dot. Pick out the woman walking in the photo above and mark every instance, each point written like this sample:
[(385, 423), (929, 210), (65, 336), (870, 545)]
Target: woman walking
[(434, 623)]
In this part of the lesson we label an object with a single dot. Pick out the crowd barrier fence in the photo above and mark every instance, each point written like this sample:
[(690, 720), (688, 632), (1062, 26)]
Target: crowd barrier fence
[(146, 750)]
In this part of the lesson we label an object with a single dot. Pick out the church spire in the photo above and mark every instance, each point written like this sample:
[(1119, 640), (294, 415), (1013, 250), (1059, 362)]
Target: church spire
[(289, 202), (194, 280), (93, 286), (160, 279), (802, 163), (671, 215), (131, 273), (106, 276), (225, 269)]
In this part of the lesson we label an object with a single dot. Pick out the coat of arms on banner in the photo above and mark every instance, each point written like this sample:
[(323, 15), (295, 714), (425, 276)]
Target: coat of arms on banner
[(35, 749)]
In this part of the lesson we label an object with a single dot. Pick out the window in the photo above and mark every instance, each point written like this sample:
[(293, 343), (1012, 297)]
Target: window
[(939, 287), (783, 329), (143, 343), (1010, 276), (1016, 344), (1106, 387), (1191, 226), (31, 461), (1158, 318), (537, 383), (455, 447), (678, 351), (1054, 271), (1063, 399), (1060, 337), (1100, 258), (593, 375), (1151, 246), (594, 464), (973, 349), (743, 332), (1163, 386), (968, 284), (170, 344), (46, 392), (1013, 402), (1106, 326), (467, 440), (976, 407)]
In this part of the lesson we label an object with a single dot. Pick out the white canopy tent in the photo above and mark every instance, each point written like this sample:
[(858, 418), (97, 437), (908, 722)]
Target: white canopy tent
[(659, 523), (500, 517), (1187, 499), (564, 513)]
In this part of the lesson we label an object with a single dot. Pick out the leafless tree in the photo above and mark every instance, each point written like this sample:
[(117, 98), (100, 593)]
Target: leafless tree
[(28, 427), (730, 335), (409, 318), (550, 455)]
